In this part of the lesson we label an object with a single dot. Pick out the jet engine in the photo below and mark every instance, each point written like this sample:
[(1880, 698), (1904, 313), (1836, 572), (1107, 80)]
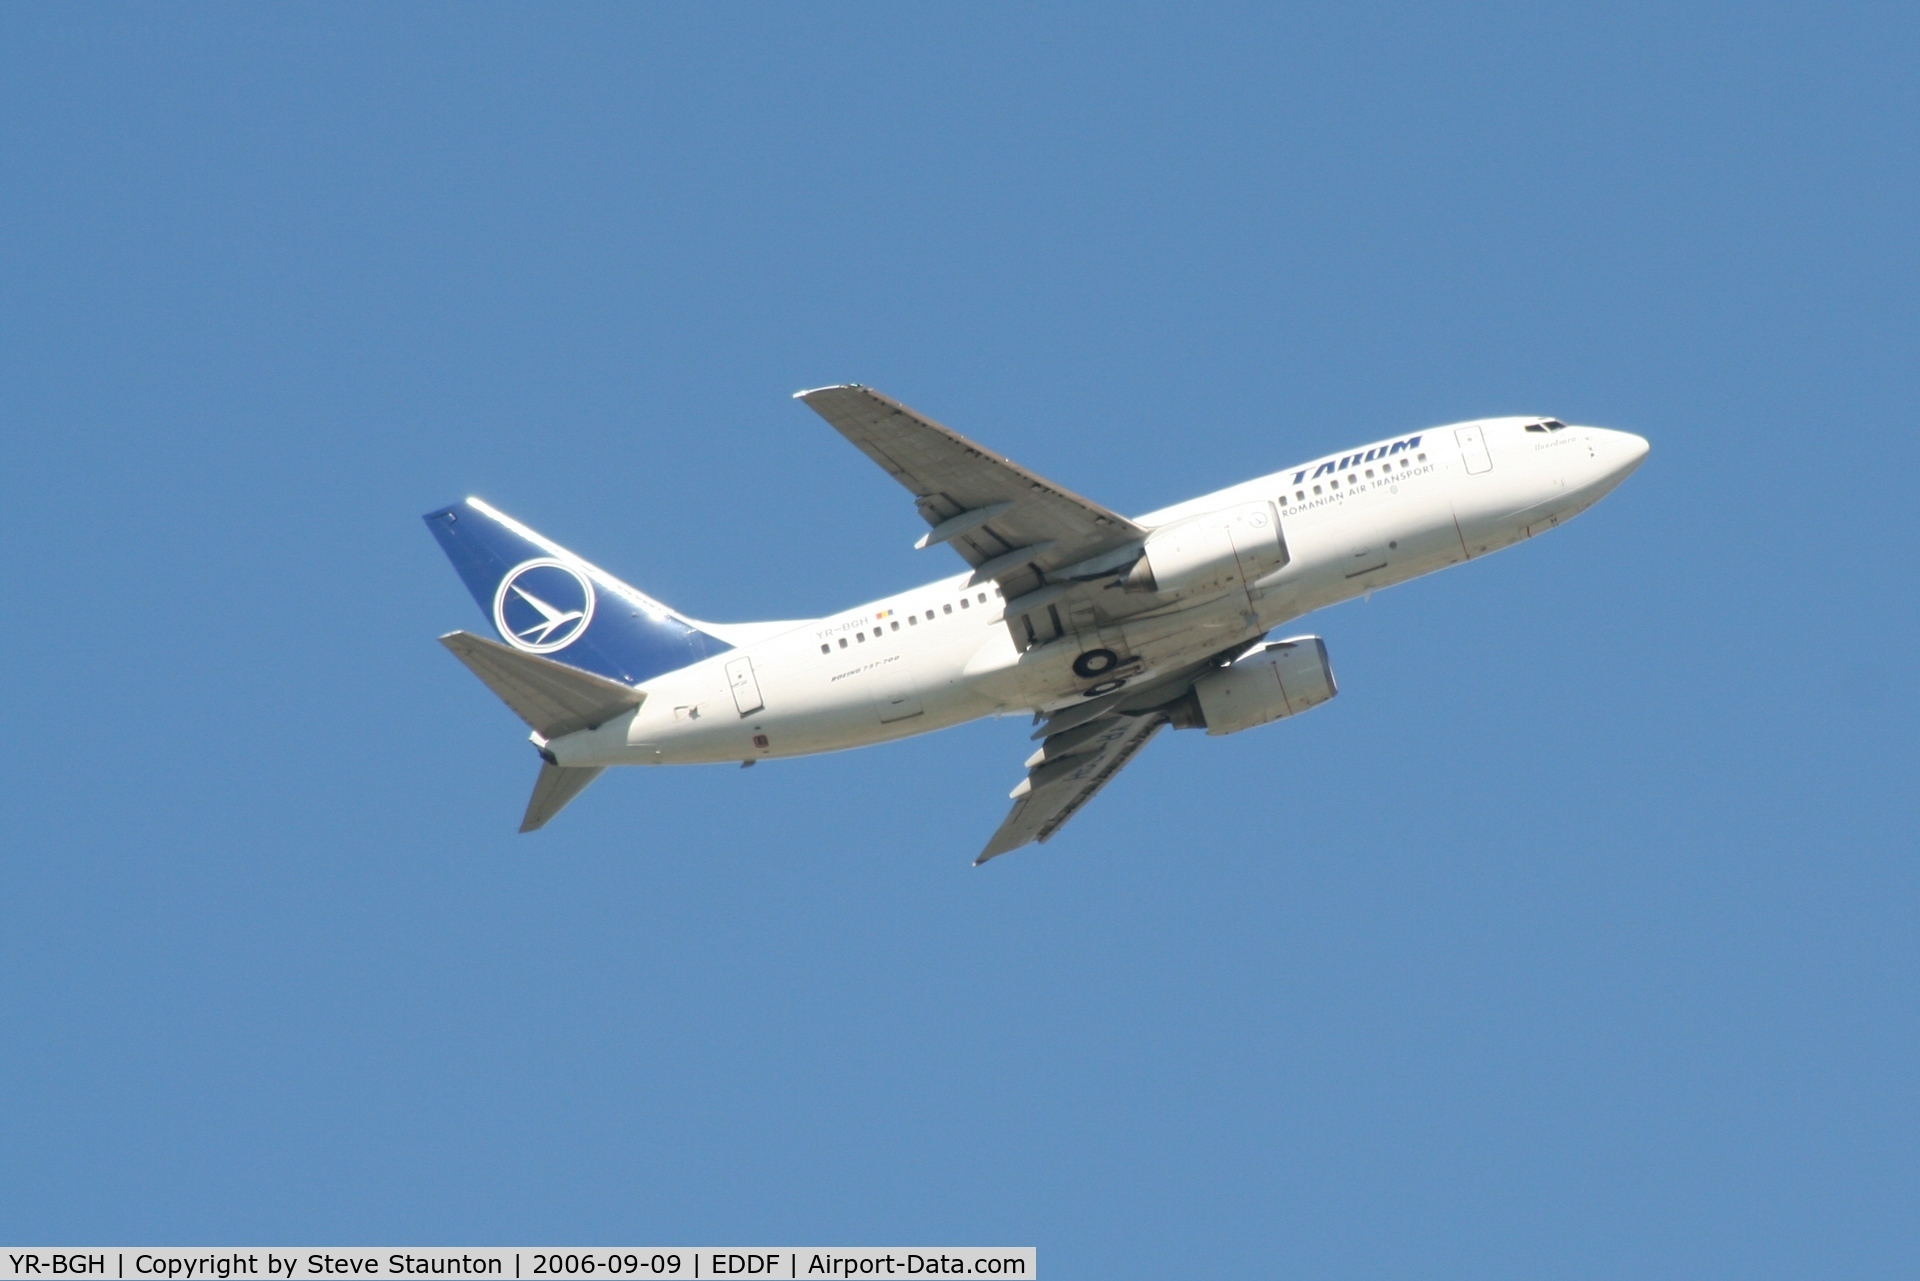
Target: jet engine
[(1284, 678), (1230, 547)]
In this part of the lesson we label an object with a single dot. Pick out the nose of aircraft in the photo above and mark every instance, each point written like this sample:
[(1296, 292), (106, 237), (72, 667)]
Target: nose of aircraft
[(1621, 452), (1631, 449)]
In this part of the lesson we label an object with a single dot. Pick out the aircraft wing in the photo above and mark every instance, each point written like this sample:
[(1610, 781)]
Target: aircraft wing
[(1008, 523), (1066, 773)]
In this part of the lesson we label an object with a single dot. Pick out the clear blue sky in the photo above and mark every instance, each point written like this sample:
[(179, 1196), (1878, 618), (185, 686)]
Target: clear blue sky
[(1576, 939)]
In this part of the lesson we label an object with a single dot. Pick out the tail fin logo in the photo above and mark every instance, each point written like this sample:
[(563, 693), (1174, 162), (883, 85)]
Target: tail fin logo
[(543, 605)]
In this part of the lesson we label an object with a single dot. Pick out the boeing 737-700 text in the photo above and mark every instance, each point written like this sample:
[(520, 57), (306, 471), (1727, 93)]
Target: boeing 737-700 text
[(1105, 628)]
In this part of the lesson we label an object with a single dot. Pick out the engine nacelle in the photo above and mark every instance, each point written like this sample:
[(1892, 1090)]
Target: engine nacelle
[(1230, 547), (1281, 679)]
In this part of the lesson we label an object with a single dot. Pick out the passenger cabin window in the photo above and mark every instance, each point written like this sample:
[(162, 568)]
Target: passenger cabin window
[(895, 626), (913, 620), (946, 609), (964, 604), (843, 642), (826, 649)]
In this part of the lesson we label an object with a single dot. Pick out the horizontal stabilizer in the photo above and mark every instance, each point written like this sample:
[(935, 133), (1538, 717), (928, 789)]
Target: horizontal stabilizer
[(554, 789), (551, 697)]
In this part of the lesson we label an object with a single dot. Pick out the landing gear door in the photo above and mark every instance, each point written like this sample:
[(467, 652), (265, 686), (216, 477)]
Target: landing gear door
[(1473, 449), (746, 690)]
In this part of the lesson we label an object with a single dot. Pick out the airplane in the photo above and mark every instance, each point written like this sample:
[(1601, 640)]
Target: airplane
[(1105, 628)]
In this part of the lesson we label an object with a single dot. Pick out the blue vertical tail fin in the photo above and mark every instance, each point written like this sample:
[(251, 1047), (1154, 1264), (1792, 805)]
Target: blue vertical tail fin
[(542, 599)]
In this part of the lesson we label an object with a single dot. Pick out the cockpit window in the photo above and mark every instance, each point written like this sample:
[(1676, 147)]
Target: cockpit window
[(1547, 424)]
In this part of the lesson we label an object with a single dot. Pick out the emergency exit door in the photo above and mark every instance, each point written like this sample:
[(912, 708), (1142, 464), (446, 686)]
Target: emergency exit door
[(746, 690), (1473, 449)]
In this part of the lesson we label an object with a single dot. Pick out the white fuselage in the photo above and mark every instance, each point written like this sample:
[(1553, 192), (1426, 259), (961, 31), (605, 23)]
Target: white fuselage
[(939, 655)]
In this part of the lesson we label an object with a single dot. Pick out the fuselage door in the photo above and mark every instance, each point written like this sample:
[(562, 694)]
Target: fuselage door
[(746, 690), (1473, 449)]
